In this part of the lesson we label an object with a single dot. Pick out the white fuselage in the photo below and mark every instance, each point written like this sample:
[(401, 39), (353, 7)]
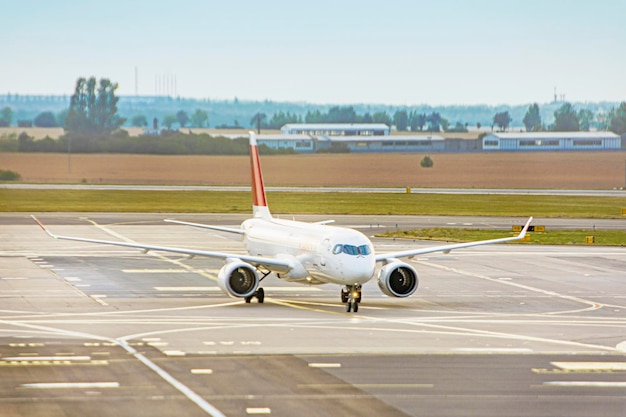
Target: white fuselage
[(319, 253)]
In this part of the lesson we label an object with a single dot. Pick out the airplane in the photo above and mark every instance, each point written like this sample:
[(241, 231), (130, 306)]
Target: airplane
[(306, 253)]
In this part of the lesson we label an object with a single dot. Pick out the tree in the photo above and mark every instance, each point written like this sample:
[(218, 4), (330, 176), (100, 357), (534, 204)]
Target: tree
[(434, 122), (566, 119), (45, 119), (338, 114), (585, 118), (617, 122), (427, 162), (61, 116), (139, 121), (182, 118), (199, 118), (401, 120), (280, 119), (502, 120), (532, 119), (417, 121), (6, 116), (169, 120), (381, 117), (91, 113)]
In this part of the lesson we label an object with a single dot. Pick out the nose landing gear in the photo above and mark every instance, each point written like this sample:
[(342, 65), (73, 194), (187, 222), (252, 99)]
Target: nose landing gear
[(351, 296)]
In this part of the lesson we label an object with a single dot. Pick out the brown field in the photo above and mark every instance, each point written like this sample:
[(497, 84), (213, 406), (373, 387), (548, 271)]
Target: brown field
[(546, 170)]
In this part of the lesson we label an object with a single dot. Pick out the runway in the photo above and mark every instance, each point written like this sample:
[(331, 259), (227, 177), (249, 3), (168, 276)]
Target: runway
[(506, 330), (414, 190)]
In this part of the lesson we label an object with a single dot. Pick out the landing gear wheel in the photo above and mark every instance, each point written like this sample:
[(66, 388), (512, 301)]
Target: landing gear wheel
[(345, 295), (355, 307), (258, 294), (348, 306)]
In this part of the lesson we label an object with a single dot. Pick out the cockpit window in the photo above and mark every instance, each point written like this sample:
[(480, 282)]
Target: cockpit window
[(365, 250), (352, 250)]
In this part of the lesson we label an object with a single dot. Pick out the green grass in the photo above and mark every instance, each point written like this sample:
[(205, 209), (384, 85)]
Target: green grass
[(556, 237), (310, 203)]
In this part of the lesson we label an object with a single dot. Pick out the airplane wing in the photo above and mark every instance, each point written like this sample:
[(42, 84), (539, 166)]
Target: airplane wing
[(207, 226), (447, 248), (276, 265)]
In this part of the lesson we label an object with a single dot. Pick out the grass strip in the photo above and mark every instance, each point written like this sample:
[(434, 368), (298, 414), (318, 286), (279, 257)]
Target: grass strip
[(556, 237), (310, 203)]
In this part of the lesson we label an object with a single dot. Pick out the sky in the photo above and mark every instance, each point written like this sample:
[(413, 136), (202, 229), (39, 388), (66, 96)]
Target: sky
[(396, 52)]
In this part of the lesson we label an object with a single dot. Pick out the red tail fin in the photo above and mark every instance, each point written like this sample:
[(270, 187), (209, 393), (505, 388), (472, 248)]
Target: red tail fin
[(259, 201)]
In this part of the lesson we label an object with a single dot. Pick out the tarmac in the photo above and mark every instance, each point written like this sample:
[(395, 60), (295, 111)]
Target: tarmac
[(503, 330)]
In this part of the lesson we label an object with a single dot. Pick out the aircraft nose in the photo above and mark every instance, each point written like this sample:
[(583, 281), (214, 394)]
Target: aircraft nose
[(363, 270)]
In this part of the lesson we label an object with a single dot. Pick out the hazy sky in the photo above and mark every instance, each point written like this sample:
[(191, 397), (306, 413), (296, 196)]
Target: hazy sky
[(389, 52)]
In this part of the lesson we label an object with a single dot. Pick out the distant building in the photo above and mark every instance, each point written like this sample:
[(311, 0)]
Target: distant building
[(551, 141), (336, 129), (299, 143), (425, 143)]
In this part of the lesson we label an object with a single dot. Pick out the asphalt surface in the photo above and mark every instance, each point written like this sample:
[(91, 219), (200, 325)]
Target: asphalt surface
[(506, 330), (476, 191)]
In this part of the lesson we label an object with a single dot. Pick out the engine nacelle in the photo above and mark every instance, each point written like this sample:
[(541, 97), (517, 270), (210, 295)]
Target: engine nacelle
[(238, 279), (398, 279)]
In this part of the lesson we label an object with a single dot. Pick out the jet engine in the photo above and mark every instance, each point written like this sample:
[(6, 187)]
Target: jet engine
[(238, 279), (398, 279)]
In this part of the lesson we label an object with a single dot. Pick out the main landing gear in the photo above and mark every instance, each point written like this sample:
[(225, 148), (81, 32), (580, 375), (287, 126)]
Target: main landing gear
[(351, 296), (259, 294)]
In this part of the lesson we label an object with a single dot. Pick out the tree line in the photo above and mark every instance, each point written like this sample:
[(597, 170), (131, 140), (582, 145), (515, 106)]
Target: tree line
[(568, 119), (93, 114)]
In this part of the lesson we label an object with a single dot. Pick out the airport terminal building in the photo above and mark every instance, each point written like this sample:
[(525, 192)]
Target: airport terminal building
[(354, 137), (551, 141)]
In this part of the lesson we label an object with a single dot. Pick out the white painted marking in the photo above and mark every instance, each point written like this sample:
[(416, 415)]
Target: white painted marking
[(217, 289), (586, 384), (291, 289), (48, 358), (14, 278), (155, 271), (173, 352), (494, 350), (591, 366), (202, 371), (178, 289), (324, 365), (621, 347), (258, 410), (150, 339), (73, 385)]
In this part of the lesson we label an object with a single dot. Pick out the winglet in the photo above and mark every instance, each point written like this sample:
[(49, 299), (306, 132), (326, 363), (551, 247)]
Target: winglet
[(522, 234), (43, 227), (259, 201)]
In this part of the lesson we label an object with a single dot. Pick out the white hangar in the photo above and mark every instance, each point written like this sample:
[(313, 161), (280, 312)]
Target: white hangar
[(551, 141)]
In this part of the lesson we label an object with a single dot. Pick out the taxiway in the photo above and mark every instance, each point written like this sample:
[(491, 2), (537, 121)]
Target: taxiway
[(506, 330)]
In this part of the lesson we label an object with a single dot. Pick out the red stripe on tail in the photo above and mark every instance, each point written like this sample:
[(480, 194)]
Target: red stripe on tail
[(259, 201), (258, 189)]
